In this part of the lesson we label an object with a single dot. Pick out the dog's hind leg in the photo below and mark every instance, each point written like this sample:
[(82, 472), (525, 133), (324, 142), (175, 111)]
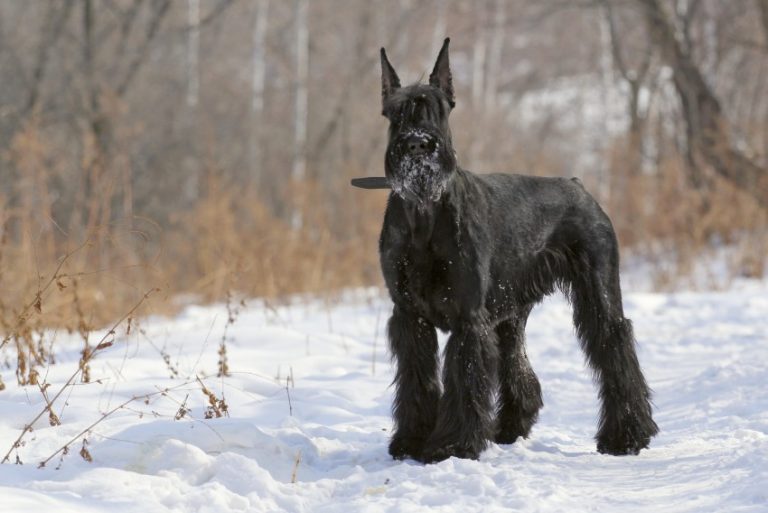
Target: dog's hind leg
[(417, 388), (465, 413), (519, 398), (626, 424)]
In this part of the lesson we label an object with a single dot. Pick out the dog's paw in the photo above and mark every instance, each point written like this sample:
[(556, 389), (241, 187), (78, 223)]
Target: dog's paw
[(629, 440), (509, 436), (510, 430), (617, 447), (402, 447), (434, 453)]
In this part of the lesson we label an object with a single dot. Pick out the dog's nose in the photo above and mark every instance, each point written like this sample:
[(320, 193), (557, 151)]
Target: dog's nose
[(418, 145)]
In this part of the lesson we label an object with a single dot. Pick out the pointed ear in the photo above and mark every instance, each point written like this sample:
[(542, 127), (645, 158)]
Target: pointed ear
[(389, 80), (441, 74)]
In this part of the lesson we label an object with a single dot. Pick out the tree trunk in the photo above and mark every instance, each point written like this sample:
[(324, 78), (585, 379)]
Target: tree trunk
[(300, 111), (193, 52), (257, 90), (438, 29), (479, 52), (494, 55)]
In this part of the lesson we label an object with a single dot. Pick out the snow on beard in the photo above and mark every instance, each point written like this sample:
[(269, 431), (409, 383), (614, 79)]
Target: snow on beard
[(420, 178)]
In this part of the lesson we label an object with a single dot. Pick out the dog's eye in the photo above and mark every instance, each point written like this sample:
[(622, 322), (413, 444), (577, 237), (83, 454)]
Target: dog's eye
[(389, 112), (419, 104)]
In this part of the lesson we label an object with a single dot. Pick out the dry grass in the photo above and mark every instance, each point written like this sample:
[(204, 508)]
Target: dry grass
[(28, 374), (233, 243), (230, 243), (674, 227), (89, 260)]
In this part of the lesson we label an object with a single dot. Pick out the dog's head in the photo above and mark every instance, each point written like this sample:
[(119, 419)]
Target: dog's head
[(420, 159)]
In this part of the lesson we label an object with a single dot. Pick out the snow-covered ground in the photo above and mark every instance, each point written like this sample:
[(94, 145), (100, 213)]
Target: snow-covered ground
[(320, 443)]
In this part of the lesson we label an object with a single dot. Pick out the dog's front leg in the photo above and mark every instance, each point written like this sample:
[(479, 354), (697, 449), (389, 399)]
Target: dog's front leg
[(417, 390), (465, 412)]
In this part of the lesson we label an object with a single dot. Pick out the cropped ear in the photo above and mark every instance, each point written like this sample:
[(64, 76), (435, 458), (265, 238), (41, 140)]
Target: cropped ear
[(441, 74), (389, 80)]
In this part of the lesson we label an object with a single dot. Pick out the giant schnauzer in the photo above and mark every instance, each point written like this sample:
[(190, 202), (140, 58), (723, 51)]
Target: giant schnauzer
[(472, 254)]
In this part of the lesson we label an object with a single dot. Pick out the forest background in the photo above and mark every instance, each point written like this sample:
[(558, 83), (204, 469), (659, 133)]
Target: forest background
[(204, 148)]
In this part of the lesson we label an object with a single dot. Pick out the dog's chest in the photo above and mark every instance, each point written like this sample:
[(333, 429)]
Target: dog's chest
[(430, 281), (430, 271)]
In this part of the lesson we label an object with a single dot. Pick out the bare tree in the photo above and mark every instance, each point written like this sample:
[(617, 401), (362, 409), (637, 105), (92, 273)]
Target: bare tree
[(302, 76), (438, 29), (635, 77), (56, 19), (298, 171), (706, 124), (193, 52), (495, 51), (258, 81)]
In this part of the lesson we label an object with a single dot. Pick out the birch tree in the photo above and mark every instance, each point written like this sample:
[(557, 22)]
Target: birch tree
[(257, 89), (299, 168)]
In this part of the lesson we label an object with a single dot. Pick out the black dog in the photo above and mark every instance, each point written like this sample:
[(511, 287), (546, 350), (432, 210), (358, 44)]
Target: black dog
[(472, 255)]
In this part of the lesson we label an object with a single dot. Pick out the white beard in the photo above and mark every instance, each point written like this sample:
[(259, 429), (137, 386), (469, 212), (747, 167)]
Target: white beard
[(421, 177)]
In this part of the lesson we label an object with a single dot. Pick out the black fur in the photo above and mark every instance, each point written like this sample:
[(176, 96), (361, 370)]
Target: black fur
[(471, 254)]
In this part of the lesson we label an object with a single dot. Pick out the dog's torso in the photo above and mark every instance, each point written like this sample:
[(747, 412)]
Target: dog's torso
[(488, 247)]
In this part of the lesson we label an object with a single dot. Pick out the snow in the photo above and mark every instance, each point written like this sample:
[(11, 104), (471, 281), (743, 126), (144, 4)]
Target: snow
[(704, 353)]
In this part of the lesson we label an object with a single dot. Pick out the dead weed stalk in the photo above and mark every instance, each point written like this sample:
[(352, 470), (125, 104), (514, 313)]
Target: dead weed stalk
[(217, 408), (105, 342)]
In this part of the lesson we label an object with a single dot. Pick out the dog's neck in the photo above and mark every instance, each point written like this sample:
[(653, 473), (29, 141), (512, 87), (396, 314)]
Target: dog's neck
[(422, 219)]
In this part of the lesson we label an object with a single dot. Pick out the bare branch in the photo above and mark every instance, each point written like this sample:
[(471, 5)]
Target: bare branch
[(217, 11), (52, 30), (618, 59), (161, 9), (126, 27), (22, 316)]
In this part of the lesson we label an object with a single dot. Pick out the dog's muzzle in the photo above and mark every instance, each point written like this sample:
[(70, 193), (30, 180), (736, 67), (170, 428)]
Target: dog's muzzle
[(417, 170)]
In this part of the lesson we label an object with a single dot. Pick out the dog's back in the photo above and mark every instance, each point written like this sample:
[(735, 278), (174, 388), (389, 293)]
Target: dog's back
[(521, 202)]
